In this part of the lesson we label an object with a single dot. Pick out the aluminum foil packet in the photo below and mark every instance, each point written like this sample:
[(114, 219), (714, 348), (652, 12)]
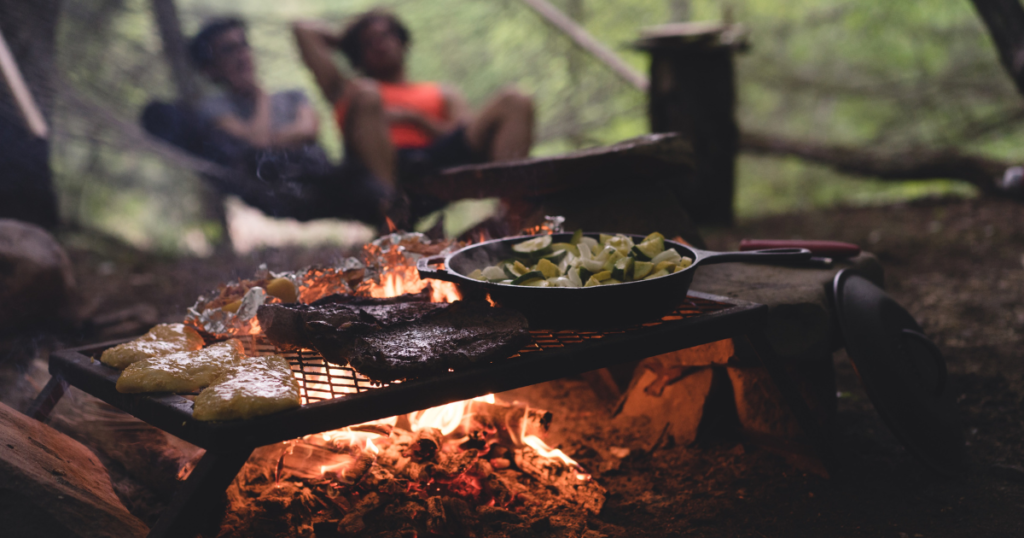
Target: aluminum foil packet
[(214, 313)]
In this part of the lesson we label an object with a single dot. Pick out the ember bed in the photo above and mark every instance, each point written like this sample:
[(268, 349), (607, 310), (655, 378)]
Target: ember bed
[(335, 396)]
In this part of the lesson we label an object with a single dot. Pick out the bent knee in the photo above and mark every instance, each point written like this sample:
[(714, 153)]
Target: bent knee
[(511, 96), (365, 92)]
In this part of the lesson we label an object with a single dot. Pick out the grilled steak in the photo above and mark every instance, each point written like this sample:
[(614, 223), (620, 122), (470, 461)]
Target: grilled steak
[(449, 336), (285, 324)]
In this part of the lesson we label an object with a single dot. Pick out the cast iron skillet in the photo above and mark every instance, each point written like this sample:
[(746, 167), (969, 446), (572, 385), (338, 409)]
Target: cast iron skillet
[(585, 307)]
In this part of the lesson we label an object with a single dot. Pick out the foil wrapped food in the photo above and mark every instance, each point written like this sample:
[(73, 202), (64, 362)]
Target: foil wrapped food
[(214, 314)]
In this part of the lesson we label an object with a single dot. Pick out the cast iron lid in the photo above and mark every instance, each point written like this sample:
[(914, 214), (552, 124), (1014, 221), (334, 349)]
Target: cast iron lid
[(902, 371)]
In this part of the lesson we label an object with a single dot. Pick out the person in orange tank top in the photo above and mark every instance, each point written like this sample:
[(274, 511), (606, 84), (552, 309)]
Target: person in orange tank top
[(399, 130)]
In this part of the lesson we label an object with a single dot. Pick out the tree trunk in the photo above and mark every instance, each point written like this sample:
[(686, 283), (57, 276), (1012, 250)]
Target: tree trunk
[(693, 92), (1005, 22), (26, 186), (901, 166), (166, 15)]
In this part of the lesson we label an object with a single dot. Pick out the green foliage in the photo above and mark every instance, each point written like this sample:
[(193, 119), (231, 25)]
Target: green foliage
[(887, 75)]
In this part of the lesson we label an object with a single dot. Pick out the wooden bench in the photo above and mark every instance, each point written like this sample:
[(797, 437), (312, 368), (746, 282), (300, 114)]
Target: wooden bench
[(634, 186)]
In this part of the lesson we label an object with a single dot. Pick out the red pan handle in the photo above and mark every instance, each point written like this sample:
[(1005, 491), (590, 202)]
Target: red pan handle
[(831, 249)]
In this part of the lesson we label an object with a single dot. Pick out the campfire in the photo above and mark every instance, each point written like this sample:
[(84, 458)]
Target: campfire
[(456, 469), (450, 470), (339, 465)]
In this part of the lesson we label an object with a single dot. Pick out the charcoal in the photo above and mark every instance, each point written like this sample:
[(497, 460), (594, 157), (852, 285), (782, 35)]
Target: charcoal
[(445, 337)]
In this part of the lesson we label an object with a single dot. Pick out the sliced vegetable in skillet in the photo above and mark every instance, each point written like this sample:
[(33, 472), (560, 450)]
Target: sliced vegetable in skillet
[(585, 262)]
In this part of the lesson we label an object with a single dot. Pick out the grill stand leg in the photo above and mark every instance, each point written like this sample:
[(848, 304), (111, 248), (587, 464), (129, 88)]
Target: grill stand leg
[(199, 493), (43, 405), (791, 395)]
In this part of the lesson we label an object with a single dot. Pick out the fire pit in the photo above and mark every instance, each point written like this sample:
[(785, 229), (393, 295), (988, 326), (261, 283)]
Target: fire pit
[(351, 431), (337, 397)]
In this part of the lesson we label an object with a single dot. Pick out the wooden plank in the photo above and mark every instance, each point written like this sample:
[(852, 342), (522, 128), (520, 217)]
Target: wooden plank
[(642, 159)]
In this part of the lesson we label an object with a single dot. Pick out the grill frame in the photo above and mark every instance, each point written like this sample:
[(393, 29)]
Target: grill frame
[(229, 444), (551, 355)]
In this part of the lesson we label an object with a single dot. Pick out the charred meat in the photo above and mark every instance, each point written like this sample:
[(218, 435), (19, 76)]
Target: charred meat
[(444, 337), (285, 324)]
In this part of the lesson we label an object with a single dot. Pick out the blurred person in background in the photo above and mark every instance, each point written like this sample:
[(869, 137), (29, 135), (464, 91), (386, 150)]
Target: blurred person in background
[(243, 109), (397, 130), (271, 138)]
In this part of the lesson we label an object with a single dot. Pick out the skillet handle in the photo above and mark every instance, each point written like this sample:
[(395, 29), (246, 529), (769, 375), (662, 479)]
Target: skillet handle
[(787, 255), (423, 267)]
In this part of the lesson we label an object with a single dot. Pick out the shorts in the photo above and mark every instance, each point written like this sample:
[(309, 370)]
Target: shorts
[(412, 164), (447, 151)]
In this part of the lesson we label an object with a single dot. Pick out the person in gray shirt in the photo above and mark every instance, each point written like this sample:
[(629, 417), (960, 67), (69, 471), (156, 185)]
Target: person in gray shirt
[(243, 109), (271, 138)]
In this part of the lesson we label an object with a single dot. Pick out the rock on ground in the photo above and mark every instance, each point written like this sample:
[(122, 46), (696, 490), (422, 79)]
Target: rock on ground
[(36, 279)]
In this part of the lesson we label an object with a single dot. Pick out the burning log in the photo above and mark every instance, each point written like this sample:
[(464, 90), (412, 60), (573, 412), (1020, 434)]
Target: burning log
[(511, 424), (383, 430), (377, 478), (415, 475), (568, 479), (428, 442), (451, 465), (359, 468)]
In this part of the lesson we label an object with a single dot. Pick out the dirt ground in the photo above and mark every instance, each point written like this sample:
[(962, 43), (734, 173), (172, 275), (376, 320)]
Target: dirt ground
[(957, 266)]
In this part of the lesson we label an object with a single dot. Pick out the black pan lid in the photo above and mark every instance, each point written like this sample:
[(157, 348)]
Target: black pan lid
[(902, 371)]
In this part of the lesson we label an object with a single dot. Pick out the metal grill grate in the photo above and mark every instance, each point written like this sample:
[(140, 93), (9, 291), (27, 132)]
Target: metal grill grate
[(320, 380)]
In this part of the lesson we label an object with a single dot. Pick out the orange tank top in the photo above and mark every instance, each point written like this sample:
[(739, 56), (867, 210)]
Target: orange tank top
[(425, 98)]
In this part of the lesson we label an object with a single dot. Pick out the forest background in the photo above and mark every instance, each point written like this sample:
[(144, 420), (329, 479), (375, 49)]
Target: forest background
[(895, 77)]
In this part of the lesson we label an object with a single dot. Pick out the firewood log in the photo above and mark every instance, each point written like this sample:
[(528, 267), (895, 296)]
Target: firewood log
[(563, 477), (425, 446)]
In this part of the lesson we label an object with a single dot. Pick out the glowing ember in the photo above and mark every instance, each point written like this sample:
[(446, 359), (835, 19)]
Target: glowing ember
[(365, 440)]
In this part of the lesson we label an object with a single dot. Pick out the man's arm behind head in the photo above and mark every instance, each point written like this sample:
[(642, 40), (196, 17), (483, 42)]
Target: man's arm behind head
[(316, 41)]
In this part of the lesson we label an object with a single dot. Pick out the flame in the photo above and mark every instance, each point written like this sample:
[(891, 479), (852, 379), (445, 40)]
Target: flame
[(446, 418), (543, 449), (339, 457), (444, 292), (399, 276)]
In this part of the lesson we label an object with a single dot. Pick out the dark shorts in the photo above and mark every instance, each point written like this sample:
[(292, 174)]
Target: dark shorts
[(447, 151)]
